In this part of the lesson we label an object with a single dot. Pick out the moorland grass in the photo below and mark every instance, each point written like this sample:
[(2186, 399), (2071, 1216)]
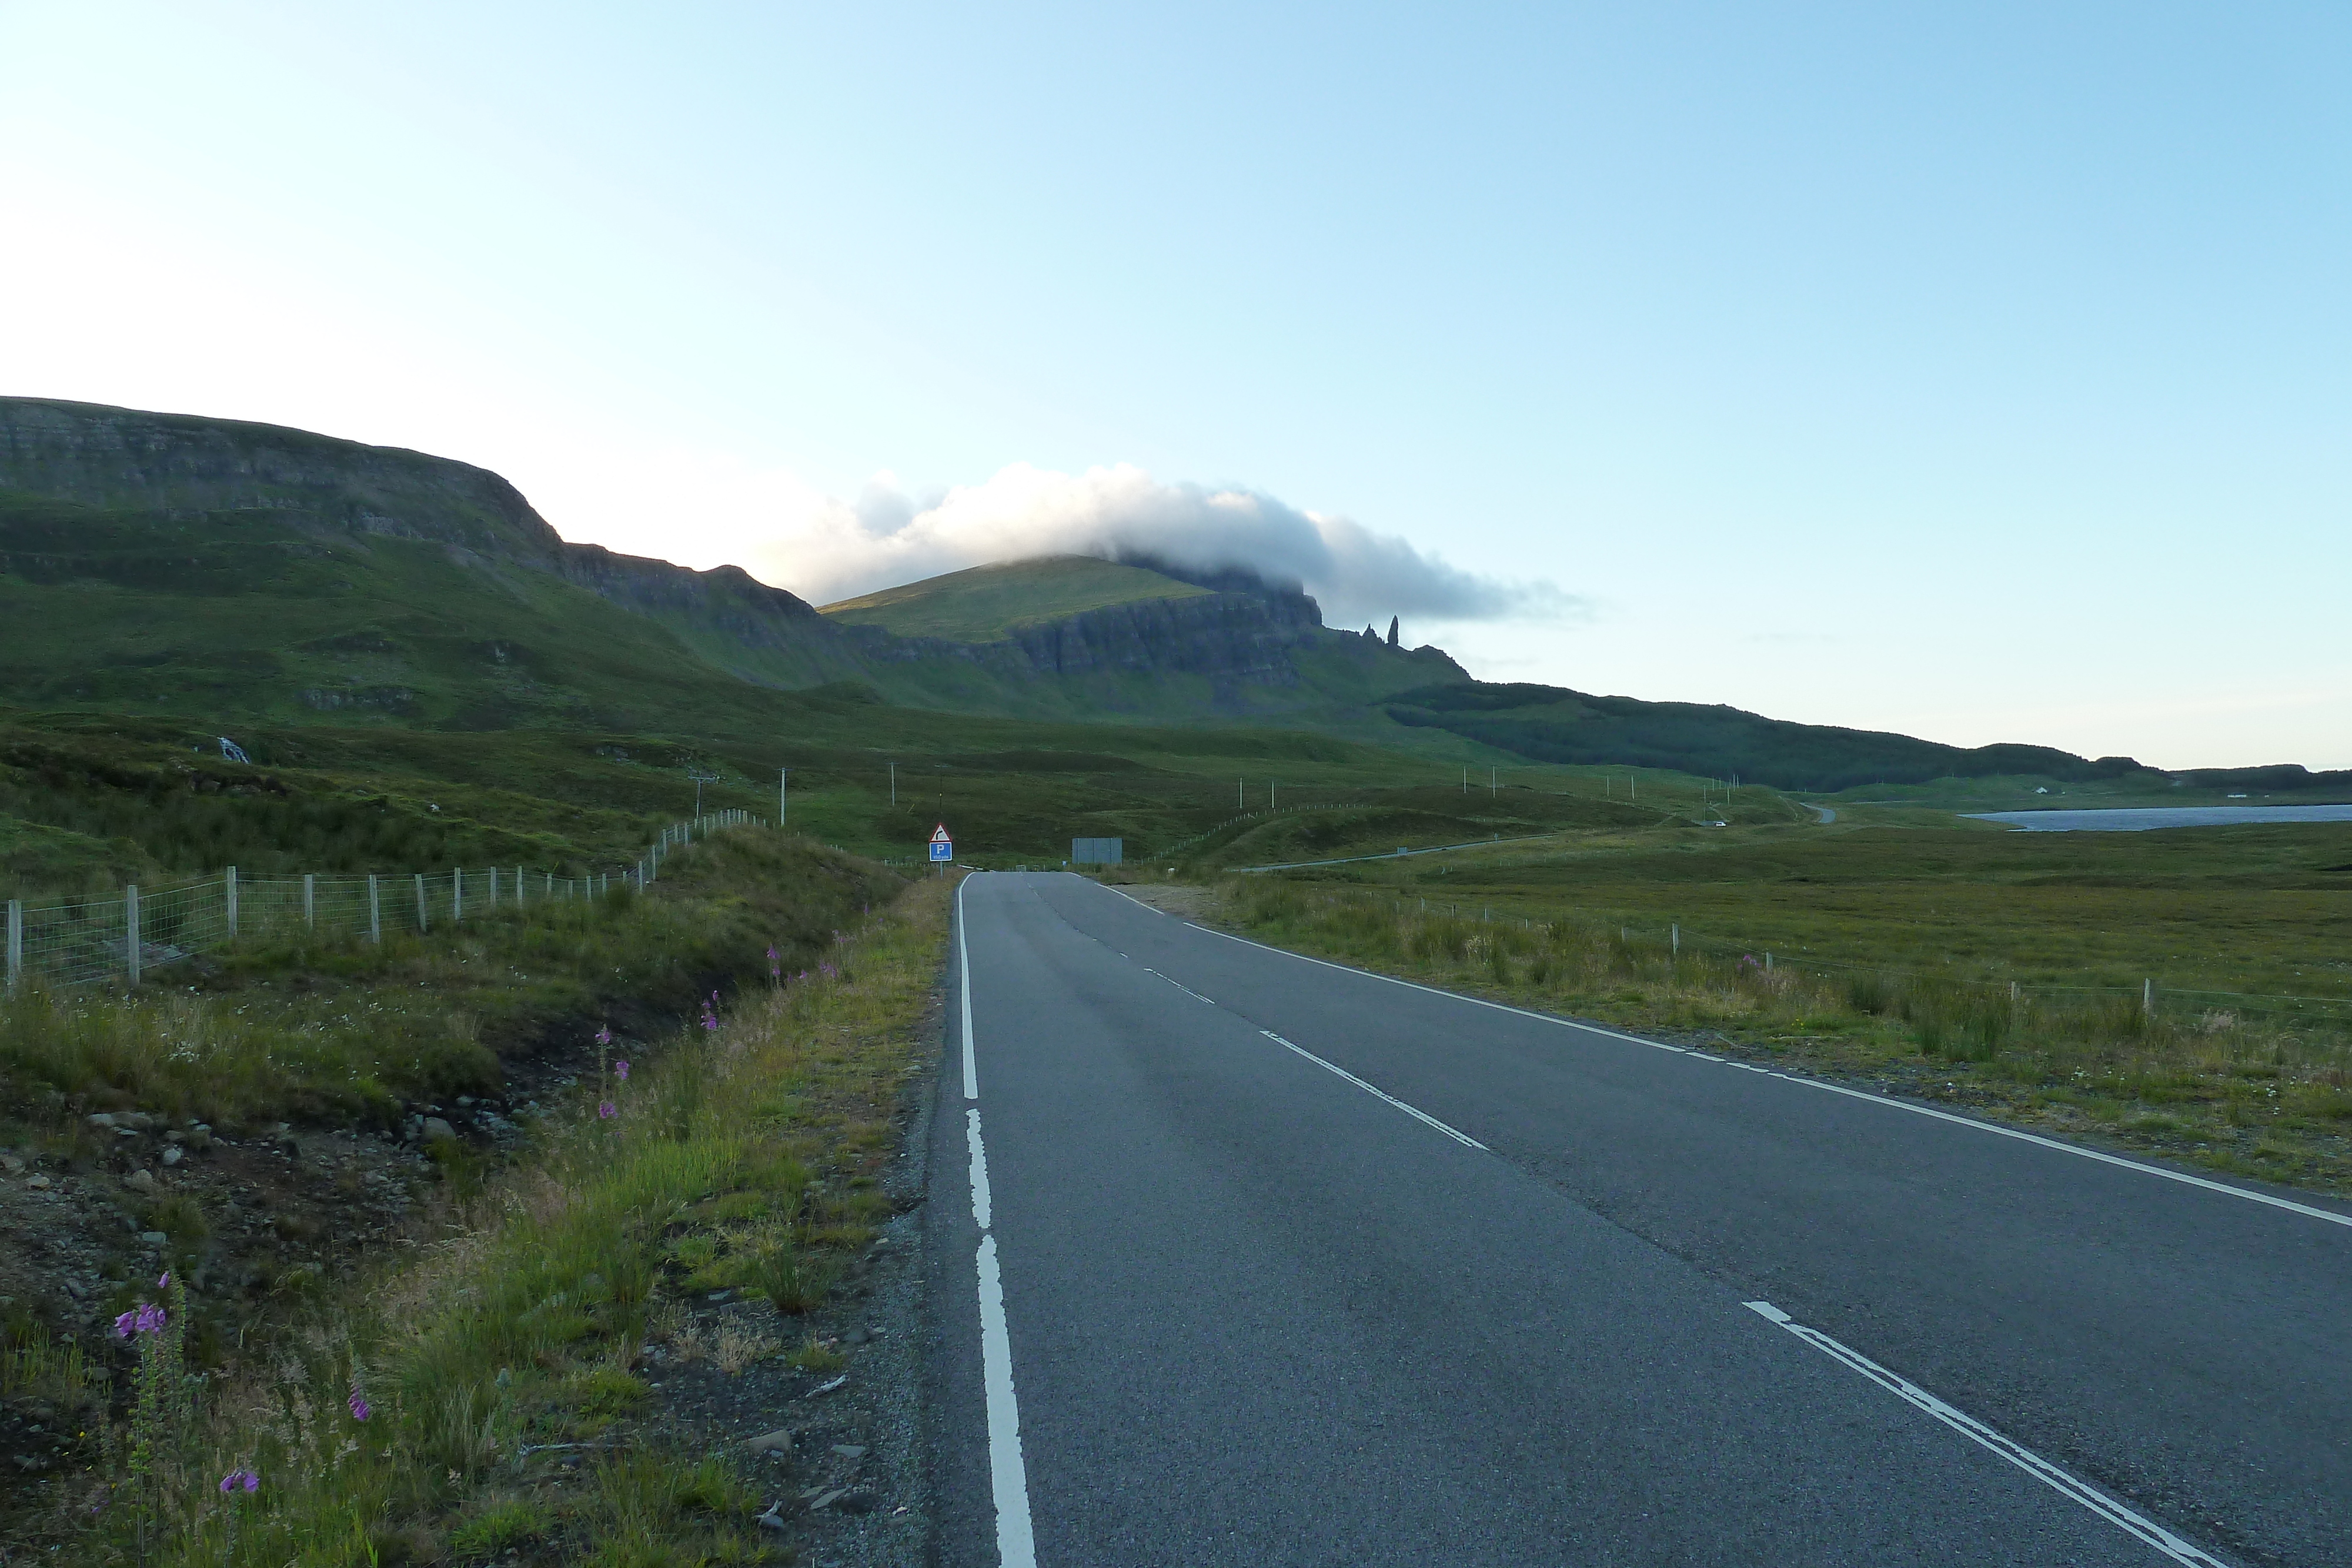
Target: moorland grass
[(2221, 1088), (346, 1030), (756, 1140)]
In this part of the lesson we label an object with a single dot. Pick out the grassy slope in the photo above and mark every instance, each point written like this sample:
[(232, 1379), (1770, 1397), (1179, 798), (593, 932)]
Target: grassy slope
[(90, 799), (987, 603), (257, 614), (744, 1153)]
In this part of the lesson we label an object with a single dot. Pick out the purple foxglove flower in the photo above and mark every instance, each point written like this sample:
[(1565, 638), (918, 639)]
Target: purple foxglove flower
[(621, 1070), (359, 1405), (607, 1111), (165, 1282), (605, 1035), (123, 1324)]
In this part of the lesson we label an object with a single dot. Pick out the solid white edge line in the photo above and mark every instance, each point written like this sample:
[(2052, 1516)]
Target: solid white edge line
[(1376, 1094), (980, 1210), (2135, 1524), (1968, 1122), (963, 995), (1016, 1543)]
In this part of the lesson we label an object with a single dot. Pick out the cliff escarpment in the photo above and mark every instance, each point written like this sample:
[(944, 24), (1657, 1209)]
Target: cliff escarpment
[(429, 590)]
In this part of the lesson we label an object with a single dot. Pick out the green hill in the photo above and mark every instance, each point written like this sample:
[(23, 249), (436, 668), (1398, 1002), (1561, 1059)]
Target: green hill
[(219, 574), (1552, 723), (989, 603)]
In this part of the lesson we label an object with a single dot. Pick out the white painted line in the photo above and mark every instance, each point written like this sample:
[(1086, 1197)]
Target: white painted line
[(979, 1168), (1016, 1545), (1970, 1121), (964, 994), (1377, 1094), (2134, 1524), (1179, 985)]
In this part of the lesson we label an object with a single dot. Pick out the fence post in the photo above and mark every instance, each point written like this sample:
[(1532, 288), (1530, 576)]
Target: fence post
[(376, 911), (15, 942), (232, 903), (458, 895), (2147, 997), (423, 916), (1676, 937), (517, 887), (311, 900), (130, 930), (494, 887)]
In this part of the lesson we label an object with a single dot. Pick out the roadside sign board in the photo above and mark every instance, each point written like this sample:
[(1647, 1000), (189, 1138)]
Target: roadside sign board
[(942, 847)]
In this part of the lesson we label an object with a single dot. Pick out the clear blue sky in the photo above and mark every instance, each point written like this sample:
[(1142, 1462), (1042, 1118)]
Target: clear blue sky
[(1983, 372)]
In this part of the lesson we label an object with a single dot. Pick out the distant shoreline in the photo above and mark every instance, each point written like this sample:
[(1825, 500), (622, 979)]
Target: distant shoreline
[(2140, 819)]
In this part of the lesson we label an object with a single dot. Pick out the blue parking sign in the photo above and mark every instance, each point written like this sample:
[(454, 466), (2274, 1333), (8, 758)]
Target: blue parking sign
[(942, 847)]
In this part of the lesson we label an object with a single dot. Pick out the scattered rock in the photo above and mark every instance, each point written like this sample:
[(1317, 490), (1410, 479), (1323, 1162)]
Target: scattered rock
[(826, 1388), (857, 1503), (854, 1336), (826, 1499), (102, 1119), (171, 1156), (154, 1239), (777, 1442), (434, 1128), (11, 1163), (140, 1180), (773, 1519), (850, 1450), (37, 1183)]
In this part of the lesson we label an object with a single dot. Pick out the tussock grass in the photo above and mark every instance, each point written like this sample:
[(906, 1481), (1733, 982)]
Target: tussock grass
[(2223, 1089), (755, 1137), (346, 1030)]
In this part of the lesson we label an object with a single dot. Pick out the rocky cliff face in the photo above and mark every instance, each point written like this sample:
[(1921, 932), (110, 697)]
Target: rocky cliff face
[(1236, 637), (181, 465), (1244, 638)]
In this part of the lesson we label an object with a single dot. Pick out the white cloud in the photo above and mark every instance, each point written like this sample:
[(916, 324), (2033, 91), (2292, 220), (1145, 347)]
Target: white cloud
[(839, 550)]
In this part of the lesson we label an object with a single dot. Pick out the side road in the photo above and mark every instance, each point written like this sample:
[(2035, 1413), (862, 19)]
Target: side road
[(1297, 1264)]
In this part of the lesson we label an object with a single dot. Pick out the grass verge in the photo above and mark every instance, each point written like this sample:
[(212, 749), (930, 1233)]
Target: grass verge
[(429, 1415), (2222, 1091)]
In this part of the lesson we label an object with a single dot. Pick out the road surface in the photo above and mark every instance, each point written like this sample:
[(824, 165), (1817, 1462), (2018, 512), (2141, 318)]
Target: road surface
[(1239, 1258)]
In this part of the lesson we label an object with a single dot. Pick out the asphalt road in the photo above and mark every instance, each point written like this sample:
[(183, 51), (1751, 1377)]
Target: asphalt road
[(1486, 1301)]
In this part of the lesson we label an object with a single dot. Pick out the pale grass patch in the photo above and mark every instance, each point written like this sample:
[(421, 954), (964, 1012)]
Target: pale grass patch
[(739, 1344)]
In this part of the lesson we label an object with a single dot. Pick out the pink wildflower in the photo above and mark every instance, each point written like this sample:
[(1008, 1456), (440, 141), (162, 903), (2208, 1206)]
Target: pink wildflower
[(148, 1318), (607, 1111)]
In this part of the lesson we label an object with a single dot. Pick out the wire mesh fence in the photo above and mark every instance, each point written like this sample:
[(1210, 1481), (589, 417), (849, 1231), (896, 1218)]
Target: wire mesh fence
[(125, 937)]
